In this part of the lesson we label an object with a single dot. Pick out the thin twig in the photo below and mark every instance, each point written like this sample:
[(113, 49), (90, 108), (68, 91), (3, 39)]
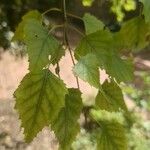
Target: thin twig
[(66, 41), (59, 10), (77, 79), (75, 29), (55, 27), (50, 10), (74, 16), (57, 70)]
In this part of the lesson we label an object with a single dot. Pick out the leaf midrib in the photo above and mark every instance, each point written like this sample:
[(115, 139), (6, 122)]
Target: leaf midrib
[(39, 101)]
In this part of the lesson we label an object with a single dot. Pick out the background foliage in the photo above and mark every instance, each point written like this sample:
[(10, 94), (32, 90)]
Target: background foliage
[(12, 11)]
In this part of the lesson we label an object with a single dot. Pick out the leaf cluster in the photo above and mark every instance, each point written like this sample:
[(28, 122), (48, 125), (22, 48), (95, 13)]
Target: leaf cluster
[(42, 98)]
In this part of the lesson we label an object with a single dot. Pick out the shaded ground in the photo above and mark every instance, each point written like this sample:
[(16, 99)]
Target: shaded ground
[(12, 71)]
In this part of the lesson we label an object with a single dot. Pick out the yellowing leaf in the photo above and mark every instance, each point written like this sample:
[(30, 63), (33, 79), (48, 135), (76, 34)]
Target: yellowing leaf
[(129, 5), (119, 5), (66, 126), (40, 45), (112, 100), (87, 2), (19, 33), (92, 24), (39, 99), (87, 69)]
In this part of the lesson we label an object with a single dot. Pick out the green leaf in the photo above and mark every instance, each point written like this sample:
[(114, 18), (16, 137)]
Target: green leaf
[(146, 9), (111, 134), (94, 42), (92, 24), (134, 34), (59, 52), (34, 14), (102, 45), (87, 69), (111, 137), (112, 100), (40, 45), (39, 98), (118, 68), (66, 126), (19, 33)]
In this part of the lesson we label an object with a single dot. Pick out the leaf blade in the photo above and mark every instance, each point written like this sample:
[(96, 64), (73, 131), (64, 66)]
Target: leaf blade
[(138, 31), (111, 133), (38, 101), (107, 55), (40, 45), (19, 33), (92, 24), (113, 98), (146, 9), (113, 139), (66, 126), (87, 69)]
